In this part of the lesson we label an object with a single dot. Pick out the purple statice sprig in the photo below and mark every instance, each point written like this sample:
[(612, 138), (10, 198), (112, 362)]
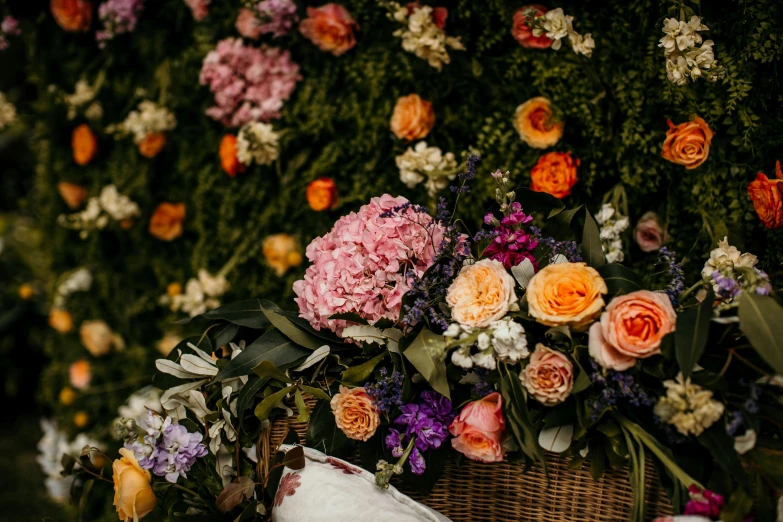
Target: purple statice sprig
[(616, 388), (481, 388), (567, 248), (676, 285), (386, 392), (118, 17)]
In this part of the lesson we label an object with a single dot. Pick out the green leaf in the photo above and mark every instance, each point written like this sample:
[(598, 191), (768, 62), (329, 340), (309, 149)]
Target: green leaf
[(315, 392), (267, 370), (243, 313), (582, 381), (761, 320), (264, 408), (690, 336), (431, 368), (539, 201), (721, 446), (247, 394), (620, 279), (350, 316), (324, 435), (223, 334), (301, 407), (770, 462), (234, 493), (249, 512), (591, 242), (738, 506), (359, 374), (282, 323), (272, 346)]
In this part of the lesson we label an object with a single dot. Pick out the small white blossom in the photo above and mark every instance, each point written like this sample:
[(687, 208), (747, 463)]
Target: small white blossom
[(613, 224), (427, 164), (149, 118), (688, 407), (726, 257), (745, 442), (257, 142), (7, 112), (117, 205), (461, 358), (201, 294), (556, 26), (83, 96), (484, 359), (453, 330), (80, 280), (52, 446), (421, 36), (98, 211), (509, 341), (483, 341), (684, 61)]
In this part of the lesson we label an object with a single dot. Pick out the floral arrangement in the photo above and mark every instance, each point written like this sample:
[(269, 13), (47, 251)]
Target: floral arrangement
[(147, 125)]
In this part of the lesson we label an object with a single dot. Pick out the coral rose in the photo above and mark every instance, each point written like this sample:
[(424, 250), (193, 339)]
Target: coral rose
[(478, 429), (133, 495), (549, 376), (72, 15), (555, 174), (535, 125), (330, 27), (566, 294), (61, 320), (166, 221), (228, 156), (523, 33), (73, 195), (322, 194), (481, 294), (84, 144), (688, 144), (648, 233), (80, 374), (248, 24), (152, 144), (413, 118), (281, 253), (631, 328), (767, 198), (355, 413)]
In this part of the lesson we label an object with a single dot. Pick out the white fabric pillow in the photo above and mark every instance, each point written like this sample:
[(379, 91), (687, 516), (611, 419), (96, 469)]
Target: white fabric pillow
[(330, 489)]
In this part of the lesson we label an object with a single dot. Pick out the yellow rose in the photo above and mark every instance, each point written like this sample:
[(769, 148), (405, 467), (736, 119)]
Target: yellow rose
[(482, 293), (355, 414), (566, 294), (133, 495)]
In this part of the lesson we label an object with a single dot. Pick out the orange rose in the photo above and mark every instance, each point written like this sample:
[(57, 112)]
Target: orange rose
[(767, 199), (355, 414), (73, 195), (523, 33), (330, 27), (566, 294), (166, 222), (413, 118), (228, 155), (72, 15), (80, 374), (688, 144), (534, 123), (555, 174), (281, 253), (84, 144), (322, 194), (133, 495), (61, 320), (152, 144)]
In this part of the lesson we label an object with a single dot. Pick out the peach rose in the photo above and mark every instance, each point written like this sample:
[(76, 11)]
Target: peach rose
[(478, 429), (228, 156), (330, 27), (566, 294), (631, 328), (649, 234), (152, 144), (413, 118), (523, 33), (355, 413), (281, 253), (688, 144), (166, 221), (535, 125), (767, 198), (322, 194), (555, 174), (98, 338), (80, 374), (61, 320), (549, 376), (73, 195), (84, 144), (248, 25), (72, 15), (482, 293), (133, 495)]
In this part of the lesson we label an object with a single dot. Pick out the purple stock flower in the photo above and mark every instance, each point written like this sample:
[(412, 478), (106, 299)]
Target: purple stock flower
[(727, 286), (178, 452), (511, 244), (393, 442), (704, 502), (417, 462)]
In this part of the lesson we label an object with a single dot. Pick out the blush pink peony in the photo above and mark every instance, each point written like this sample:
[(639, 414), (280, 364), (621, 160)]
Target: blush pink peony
[(478, 429)]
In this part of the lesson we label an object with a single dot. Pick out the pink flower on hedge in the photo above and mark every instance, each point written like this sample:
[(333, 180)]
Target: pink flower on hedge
[(330, 27), (117, 16), (249, 84), (275, 17), (198, 8), (358, 266)]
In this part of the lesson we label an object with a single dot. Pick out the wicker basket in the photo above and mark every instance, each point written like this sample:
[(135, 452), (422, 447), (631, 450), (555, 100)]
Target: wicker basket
[(503, 492)]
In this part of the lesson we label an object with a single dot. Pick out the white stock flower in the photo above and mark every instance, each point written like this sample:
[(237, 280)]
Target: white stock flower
[(147, 119), (427, 164), (117, 205), (422, 37), (684, 61), (556, 26), (484, 359), (7, 112), (688, 407), (509, 341), (727, 256), (461, 357), (257, 142)]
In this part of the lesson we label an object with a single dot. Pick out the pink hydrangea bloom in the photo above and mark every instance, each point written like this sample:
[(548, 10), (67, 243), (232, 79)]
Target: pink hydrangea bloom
[(249, 84), (275, 17), (359, 265), (198, 8)]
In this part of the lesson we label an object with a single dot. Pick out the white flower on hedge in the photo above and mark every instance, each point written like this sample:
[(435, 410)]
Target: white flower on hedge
[(213, 286), (745, 442), (7, 112), (509, 341), (688, 407), (52, 446), (117, 205), (556, 27), (83, 96), (136, 406), (80, 280), (427, 164), (422, 37), (98, 212), (149, 118), (258, 142), (684, 61), (725, 258)]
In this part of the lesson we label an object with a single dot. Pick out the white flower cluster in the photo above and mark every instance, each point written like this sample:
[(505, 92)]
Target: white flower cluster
[(80, 280), (257, 142), (688, 407), (7, 112), (136, 406), (429, 164), (503, 340), (148, 119), (556, 25), (422, 36), (684, 61), (52, 446), (201, 294), (82, 99), (110, 204), (612, 226)]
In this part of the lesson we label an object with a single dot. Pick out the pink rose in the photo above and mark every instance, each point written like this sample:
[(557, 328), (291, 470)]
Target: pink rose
[(649, 234), (248, 25), (631, 328), (478, 429), (549, 376), (330, 27), (523, 33)]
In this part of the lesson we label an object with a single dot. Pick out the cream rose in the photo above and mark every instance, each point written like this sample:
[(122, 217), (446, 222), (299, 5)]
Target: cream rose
[(482, 293), (133, 495), (549, 376), (98, 338), (566, 294), (355, 413)]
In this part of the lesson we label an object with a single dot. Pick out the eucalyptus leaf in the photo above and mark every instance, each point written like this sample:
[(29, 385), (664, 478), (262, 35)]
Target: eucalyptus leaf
[(523, 273), (288, 329), (267, 370), (243, 313), (224, 334), (539, 201), (234, 493), (556, 439), (431, 368), (264, 408), (761, 320), (592, 250), (301, 407), (272, 346), (359, 374), (315, 392), (690, 337), (314, 358), (352, 317)]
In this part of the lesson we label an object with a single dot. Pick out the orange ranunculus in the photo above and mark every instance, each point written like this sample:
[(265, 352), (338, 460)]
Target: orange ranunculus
[(322, 194), (330, 27), (523, 33), (133, 495), (166, 221), (61, 320), (767, 198), (72, 15), (84, 144), (566, 294), (555, 174), (688, 144), (535, 125), (73, 195), (281, 252), (355, 413), (152, 144), (228, 155), (413, 118)]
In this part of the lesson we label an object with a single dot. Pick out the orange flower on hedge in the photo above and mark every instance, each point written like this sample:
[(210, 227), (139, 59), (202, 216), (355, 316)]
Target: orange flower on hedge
[(73, 195), (535, 124), (72, 15), (228, 155), (413, 118), (281, 253), (555, 174), (166, 222), (152, 144), (84, 144), (688, 144), (61, 320), (330, 27), (322, 194), (767, 197)]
